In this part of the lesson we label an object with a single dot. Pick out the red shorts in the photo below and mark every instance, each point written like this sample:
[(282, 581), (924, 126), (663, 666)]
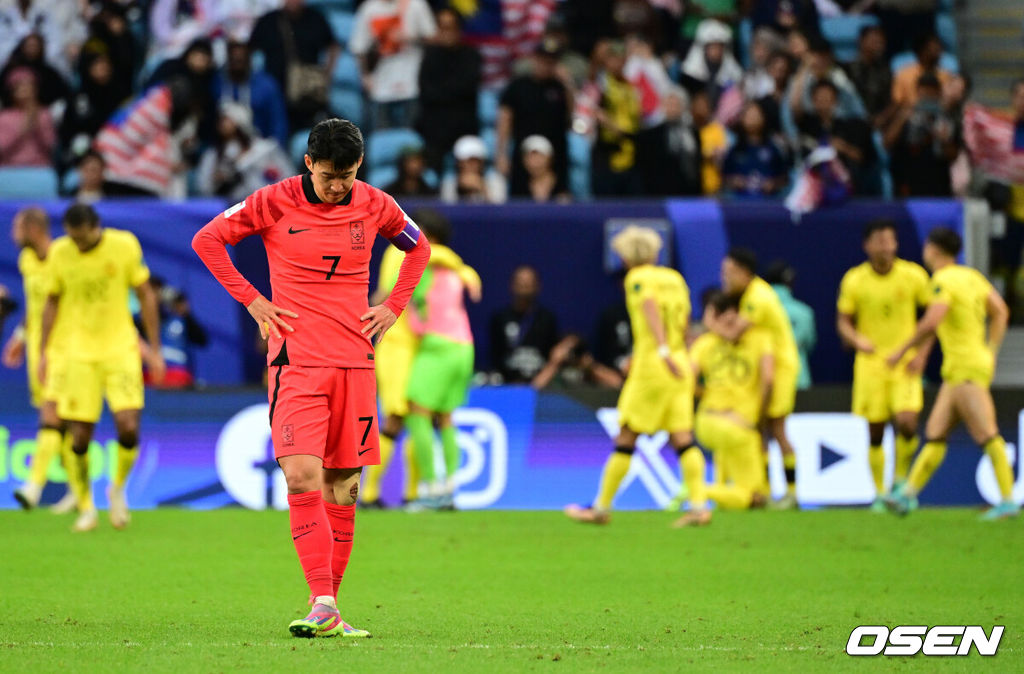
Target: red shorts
[(328, 412)]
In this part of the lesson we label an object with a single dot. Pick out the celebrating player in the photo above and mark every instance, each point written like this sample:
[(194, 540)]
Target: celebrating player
[(961, 300), (658, 393), (30, 230), (443, 367), (760, 306), (318, 230), (91, 272), (876, 313), (737, 376)]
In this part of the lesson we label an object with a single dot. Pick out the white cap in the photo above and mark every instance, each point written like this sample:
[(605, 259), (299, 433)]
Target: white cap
[(537, 143), (470, 147)]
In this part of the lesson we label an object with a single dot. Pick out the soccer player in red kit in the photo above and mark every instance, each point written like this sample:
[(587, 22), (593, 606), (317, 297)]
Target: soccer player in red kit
[(318, 230)]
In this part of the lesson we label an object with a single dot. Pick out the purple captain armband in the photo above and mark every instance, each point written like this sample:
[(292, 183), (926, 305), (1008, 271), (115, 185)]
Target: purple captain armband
[(406, 239)]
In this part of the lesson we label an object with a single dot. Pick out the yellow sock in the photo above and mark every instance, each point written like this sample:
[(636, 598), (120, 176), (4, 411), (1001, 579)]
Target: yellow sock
[(47, 447), (693, 467), (905, 448), (615, 469), (126, 457), (412, 471), (996, 450), (729, 496), (67, 459), (789, 467), (928, 461), (375, 474), (80, 473), (876, 459)]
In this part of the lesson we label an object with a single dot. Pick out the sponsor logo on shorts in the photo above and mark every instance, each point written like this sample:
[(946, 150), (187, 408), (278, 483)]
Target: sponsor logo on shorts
[(939, 640)]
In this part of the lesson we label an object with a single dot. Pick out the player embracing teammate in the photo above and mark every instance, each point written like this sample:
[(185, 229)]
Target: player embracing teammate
[(318, 230)]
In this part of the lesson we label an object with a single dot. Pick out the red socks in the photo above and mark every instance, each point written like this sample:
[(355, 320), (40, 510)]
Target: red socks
[(343, 526), (311, 533)]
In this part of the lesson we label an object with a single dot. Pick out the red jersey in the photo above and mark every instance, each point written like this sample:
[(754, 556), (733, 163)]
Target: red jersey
[(319, 257)]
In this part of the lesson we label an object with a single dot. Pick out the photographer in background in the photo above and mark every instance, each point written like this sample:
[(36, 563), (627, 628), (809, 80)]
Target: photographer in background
[(180, 332), (923, 141), (572, 364)]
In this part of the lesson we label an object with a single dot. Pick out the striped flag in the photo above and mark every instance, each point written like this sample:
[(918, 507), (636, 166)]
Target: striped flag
[(990, 138), (136, 143), (503, 30)]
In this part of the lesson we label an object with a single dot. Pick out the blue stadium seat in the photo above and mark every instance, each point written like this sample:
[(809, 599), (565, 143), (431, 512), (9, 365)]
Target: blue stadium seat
[(945, 26), (28, 183), (487, 107), (744, 38), (490, 137), (346, 103), (842, 33), (326, 5), (346, 72), (384, 146), (579, 150), (883, 165), (69, 183), (341, 24), (579, 182), (946, 62), (297, 146), (382, 176)]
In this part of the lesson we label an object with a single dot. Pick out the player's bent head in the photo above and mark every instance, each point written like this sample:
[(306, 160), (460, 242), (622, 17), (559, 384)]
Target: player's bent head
[(337, 142), (946, 241), (722, 303), (637, 245), (82, 224), (437, 227)]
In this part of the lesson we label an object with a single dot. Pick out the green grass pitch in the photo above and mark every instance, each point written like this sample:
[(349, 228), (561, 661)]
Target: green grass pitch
[(214, 591)]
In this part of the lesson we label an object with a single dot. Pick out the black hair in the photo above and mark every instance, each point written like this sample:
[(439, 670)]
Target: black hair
[(91, 153), (929, 80), (448, 9), (337, 141), (434, 225), (1017, 83), (819, 45), (923, 39), (81, 215), (780, 273), (744, 257), (877, 225), (870, 28), (722, 302), (947, 240), (825, 84)]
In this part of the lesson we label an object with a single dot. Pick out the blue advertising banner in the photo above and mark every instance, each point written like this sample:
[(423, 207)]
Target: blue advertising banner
[(520, 450)]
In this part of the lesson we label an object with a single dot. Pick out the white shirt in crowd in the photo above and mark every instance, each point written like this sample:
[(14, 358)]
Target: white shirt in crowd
[(393, 29)]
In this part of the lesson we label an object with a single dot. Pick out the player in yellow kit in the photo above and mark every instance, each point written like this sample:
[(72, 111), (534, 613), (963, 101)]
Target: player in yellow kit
[(658, 393), (393, 359), (92, 270), (736, 364), (876, 313), (961, 301), (760, 307), (30, 230)]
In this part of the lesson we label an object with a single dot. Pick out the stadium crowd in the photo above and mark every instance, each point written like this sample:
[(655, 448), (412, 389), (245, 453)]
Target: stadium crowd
[(550, 100)]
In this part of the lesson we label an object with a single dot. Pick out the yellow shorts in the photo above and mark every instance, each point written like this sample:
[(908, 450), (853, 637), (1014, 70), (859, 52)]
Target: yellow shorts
[(783, 396), (737, 451), (87, 383), (982, 376), (652, 403), (393, 365), (880, 392)]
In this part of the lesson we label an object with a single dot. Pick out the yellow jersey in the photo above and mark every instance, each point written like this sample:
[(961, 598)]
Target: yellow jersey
[(34, 276), (884, 306), (669, 291), (732, 372), (761, 307), (94, 291), (962, 332)]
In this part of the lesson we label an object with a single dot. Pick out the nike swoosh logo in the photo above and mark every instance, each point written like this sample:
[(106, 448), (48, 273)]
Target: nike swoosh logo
[(365, 451), (342, 540), (296, 231), (295, 538)]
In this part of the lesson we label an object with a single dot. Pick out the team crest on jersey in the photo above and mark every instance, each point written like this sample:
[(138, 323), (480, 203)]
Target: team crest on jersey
[(357, 234)]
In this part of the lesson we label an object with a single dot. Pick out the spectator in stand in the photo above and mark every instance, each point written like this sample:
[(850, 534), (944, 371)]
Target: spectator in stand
[(754, 166), (90, 178), (780, 68), (19, 18), (299, 52), (30, 53), (572, 364), (1007, 252), (89, 108), (696, 11), (903, 21), (240, 161), (615, 334), (174, 25), (27, 133), (710, 64), (714, 142), (850, 136), (801, 316), (524, 332), (871, 74), (819, 64), (536, 104), (668, 155), (923, 141), (410, 181), (191, 76), (449, 85), (588, 21), (759, 82), (574, 64), (110, 34), (798, 45), (928, 50), (387, 38), (258, 91), (542, 181), (783, 16), (613, 159), (647, 74), (472, 182)]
